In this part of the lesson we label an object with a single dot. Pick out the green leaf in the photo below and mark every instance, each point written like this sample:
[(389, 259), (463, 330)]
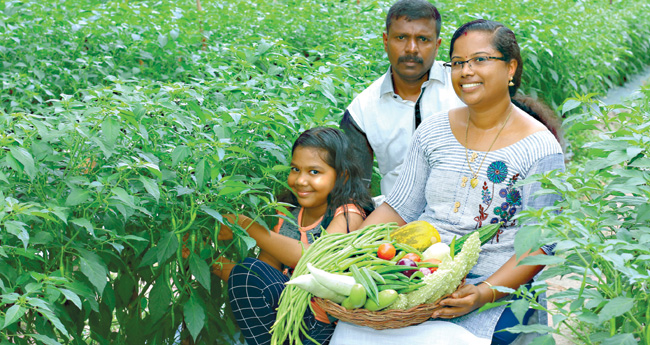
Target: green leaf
[(534, 328), (214, 214), (18, 229), (76, 197), (162, 40), (543, 340), (13, 314), (179, 154), (194, 316), (519, 308), (196, 108), (615, 307), (200, 173), (160, 298), (569, 105), (72, 297), (45, 339), (643, 213), (527, 238), (123, 196), (55, 321), (167, 246), (111, 131), (85, 291), (200, 270), (61, 212), (620, 339), (93, 268), (3, 177), (542, 260), (106, 150), (84, 223), (151, 186), (26, 159), (244, 243)]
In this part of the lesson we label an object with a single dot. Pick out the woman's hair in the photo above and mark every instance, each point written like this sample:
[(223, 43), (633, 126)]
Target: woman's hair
[(505, 42), (349, 187)]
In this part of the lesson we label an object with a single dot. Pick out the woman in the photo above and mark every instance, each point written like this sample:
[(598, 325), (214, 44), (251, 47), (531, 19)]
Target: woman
[(466, 161)]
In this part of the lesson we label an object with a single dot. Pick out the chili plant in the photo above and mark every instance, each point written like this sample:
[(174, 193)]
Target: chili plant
[(601, 228)]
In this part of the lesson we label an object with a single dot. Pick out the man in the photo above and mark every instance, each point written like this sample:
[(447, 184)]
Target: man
[(382, 119)]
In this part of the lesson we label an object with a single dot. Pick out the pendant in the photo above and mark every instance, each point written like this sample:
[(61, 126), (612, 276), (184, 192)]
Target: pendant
[(473, 182), (464, 182), (474, 156)]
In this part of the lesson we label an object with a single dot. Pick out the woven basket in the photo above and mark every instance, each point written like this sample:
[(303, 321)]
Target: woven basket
[(383, 319)]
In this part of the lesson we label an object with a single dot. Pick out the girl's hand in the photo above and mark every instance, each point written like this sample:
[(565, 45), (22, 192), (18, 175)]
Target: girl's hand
[(461, 302), (225, 233)]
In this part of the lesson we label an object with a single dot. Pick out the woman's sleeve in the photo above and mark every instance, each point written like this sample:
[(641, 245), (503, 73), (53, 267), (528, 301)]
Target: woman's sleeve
[(407, 197), (548, 163)]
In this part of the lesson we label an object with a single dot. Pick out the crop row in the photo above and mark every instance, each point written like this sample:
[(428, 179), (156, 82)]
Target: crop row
[(129, 128)]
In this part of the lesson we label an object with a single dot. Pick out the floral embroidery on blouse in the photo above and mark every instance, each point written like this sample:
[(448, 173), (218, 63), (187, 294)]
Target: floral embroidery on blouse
[(510, 198), (497, 172)]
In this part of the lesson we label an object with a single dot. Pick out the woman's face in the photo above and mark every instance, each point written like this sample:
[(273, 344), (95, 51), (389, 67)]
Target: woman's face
[(311, 178), (485, 82)]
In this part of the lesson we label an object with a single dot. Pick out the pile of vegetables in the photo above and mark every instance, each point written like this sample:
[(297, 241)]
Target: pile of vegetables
[(372, 269)]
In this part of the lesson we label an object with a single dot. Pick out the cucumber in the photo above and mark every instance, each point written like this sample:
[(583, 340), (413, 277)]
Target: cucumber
[(485, 233)]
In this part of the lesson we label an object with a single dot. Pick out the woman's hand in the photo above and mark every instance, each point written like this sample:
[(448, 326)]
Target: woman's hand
[(466, 299)]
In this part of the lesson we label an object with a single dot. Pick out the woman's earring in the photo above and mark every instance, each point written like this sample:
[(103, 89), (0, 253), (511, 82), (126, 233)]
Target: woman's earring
[(511, 83)]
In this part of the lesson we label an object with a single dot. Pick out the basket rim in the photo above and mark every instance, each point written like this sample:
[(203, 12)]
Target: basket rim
[(382, 319)]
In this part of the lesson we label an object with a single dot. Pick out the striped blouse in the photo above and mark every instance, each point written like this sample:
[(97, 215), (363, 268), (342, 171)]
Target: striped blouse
[(434, 185)]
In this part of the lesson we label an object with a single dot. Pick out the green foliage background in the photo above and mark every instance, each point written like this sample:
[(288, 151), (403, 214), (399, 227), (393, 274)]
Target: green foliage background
[(129, 128)]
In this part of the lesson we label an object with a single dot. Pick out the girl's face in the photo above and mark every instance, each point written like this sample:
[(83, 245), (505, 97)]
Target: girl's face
[(482, 83), (311, 179)]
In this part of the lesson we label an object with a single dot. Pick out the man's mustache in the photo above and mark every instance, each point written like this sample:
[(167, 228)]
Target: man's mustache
[(410, 58)]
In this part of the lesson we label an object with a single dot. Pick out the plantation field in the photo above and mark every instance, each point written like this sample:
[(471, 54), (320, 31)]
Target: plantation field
[(129, 128)]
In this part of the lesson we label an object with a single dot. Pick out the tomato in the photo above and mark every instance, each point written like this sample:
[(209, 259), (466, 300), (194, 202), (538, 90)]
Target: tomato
[(413, 257), (386, 251)]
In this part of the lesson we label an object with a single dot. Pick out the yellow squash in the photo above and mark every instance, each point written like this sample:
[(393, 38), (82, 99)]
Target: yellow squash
[(418, 234)]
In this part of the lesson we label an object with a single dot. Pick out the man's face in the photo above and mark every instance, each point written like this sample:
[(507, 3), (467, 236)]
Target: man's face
[(412, 47)]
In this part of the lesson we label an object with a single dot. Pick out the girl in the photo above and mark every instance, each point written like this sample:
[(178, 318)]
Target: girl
[(327, 184), (461, 173)]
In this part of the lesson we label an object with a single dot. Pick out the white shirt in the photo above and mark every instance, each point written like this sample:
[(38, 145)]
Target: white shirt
[(389, 121)]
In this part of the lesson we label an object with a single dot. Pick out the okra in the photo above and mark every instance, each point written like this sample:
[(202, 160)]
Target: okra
[(371, 282), (390, 276), (367, 283), (376, 276), (411, 288), (390, 287), (393, 269)]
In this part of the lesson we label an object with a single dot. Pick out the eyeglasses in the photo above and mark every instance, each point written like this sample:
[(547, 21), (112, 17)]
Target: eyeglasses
[(478, 61)]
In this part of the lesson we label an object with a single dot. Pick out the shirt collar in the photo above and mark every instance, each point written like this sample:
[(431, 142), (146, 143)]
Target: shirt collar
[(437, 72)]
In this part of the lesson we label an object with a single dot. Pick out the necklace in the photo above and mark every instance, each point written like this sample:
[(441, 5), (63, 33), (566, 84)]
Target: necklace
[(474, 180)]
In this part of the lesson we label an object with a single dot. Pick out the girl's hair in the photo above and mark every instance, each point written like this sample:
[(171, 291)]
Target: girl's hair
[(349, 187), (505, 42)]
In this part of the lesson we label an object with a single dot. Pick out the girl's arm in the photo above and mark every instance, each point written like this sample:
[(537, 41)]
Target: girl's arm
[(281, 249)]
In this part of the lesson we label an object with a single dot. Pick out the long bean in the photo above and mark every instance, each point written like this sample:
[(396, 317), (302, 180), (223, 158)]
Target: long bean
[(325, 252)]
